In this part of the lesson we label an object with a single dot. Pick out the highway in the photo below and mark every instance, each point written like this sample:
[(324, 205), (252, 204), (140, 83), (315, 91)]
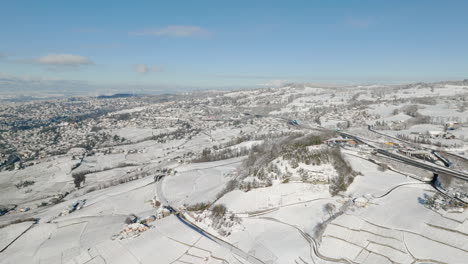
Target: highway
[(418, 146), (413, 162), (252, 259), (434, 168)]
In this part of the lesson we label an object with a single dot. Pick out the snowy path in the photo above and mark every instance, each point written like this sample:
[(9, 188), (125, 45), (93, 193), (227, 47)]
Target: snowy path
[(186, 222)]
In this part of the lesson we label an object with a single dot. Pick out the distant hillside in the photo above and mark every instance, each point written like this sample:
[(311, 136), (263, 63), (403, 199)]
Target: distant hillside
[(118, 95)]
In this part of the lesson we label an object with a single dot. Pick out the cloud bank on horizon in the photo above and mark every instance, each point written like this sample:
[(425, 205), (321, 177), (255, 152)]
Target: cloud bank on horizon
[(63, 59)]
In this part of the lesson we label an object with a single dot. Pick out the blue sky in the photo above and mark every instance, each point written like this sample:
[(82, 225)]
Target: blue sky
[(170, 45)]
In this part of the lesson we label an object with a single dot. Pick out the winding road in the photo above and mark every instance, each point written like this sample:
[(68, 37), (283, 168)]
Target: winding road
[(180, 216)]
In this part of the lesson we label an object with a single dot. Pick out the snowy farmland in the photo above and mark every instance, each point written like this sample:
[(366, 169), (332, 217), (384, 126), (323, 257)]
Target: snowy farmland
[(295, 174)]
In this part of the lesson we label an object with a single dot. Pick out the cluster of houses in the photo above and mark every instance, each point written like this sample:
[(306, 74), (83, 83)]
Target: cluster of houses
[(434, 134), (73, 207), (131, 230), (453, 125), (135, 225)]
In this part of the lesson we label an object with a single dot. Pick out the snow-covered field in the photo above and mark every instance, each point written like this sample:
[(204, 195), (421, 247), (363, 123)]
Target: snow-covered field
[(199, 182), (225, 178)]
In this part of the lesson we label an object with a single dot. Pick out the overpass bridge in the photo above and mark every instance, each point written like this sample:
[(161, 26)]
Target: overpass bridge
[(434, 168)]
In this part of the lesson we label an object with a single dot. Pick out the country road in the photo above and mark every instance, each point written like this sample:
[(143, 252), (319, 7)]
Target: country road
[(181, 217)]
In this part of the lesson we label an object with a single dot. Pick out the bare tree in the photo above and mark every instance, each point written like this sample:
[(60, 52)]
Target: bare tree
[(329, 208), (219, 210)]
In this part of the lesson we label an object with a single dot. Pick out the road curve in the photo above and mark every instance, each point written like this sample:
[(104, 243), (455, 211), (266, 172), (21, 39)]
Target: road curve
[(181, 217)]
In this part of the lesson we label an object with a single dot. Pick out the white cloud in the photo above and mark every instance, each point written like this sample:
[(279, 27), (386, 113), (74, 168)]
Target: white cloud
[(274, 83), (143, 68), (63, 60), (174, 31)]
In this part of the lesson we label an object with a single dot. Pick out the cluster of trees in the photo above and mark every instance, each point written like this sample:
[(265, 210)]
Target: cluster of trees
[(221, 221), (115, 182), (442, 120), (295, 150), (424, 100), (224, 151), (227, 153), (419, 140), (17, 221), (333, 213), (417, 120), (230, 186), (437, 201), (178, 134), (197, 207), (422, 140), (411, 110), (80, 177), (218, 210), (23, 184), (234, 141), (345, 172), (261, 155)]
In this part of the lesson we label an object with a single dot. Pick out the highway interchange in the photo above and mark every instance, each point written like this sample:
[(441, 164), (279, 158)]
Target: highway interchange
[(252, 259)]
